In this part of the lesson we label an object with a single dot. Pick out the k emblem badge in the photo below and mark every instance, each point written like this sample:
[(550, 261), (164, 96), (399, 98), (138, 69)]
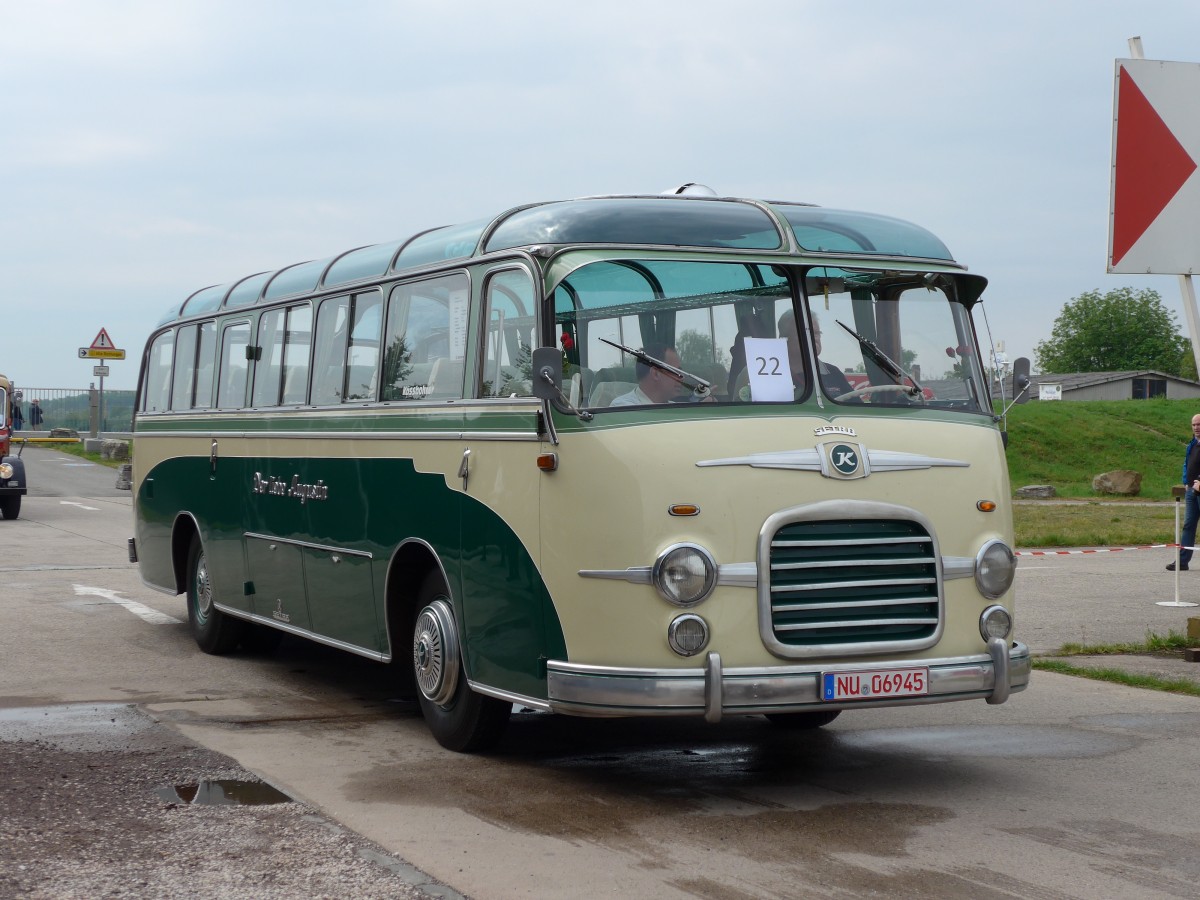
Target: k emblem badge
[(843, 460)]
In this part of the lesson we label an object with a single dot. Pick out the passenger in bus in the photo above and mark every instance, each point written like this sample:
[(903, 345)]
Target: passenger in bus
[(654, 385)]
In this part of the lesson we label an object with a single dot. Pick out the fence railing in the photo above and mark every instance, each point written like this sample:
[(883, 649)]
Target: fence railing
[(72, 408)]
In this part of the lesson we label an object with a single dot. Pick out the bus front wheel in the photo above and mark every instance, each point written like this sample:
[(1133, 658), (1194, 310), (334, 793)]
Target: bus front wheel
[(459, 718), (10, 507), (214, 631)]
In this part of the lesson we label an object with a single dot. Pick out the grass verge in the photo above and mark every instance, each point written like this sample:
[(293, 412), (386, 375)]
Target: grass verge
[(1093, 524), (73, 448), (1154, 643)]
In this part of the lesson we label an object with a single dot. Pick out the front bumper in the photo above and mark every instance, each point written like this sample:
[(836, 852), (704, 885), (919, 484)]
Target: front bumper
[(714, 692)]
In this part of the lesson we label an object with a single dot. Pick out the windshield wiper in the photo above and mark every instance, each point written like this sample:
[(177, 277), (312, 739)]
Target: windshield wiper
[(885, 362), (695, 383)]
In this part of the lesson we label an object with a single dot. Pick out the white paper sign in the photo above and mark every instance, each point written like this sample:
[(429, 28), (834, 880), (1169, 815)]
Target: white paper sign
[(770, 369), (459, 302)]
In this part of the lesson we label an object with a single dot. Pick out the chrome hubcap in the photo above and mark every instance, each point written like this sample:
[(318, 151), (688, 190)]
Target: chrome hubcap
[(435, 652)]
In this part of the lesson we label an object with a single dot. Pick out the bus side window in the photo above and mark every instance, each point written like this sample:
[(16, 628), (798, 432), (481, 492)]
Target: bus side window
[(508, 335), (296, 346), (425, 340), (362, 356), (206, 359), (330, 366), (157, 394), (184, 373), (235, 368), (268, 371)]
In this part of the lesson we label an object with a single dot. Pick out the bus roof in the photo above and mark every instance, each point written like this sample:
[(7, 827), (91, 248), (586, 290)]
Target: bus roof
[(714, 223)]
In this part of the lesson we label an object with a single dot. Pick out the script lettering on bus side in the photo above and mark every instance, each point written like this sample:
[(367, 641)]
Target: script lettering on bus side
[(278, 487)]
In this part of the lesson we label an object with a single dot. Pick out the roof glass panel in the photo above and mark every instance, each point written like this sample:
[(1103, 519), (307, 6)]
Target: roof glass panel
[(648, 220), (837, 230), (451, 242), (247, 290), (295, 279), (361, 263), (205, 300)]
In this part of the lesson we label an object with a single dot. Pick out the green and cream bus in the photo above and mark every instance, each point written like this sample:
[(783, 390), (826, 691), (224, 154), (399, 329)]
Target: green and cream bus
[(617, 456)]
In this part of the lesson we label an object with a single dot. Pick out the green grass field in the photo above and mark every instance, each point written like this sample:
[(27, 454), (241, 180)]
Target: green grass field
[(1065, 444)]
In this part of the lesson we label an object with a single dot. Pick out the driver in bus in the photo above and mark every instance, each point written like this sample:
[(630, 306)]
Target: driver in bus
[(654, 384), (832, 379)]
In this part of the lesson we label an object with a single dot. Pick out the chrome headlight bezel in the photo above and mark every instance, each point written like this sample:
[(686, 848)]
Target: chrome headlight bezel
[(677, 644), (665, 575), (995, 569), (993, 615)]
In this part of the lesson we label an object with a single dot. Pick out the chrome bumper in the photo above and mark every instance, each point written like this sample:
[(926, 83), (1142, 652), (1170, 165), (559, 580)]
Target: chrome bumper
[(714, 692)]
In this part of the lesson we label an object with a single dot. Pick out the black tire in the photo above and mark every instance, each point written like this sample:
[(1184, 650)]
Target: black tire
[(214, 631), (10, 507), (459, 718), (802, 720)]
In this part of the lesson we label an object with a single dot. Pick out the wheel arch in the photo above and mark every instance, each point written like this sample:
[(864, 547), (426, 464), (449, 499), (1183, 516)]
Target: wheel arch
[(411, 563)]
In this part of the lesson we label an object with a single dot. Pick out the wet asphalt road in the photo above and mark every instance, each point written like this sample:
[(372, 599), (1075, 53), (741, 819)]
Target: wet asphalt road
[(1072, 789)]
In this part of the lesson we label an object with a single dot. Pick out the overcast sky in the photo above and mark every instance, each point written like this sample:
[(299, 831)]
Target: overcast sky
[(148, 149)]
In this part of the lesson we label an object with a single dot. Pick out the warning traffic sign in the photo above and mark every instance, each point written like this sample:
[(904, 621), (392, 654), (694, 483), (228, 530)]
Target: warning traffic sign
[(1155, 202), (102, 348)]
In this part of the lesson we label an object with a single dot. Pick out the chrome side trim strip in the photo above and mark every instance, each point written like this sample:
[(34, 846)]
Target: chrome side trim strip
[(958, 567), (374, 655), (307, 544), (518, 699), (811, 461), (531, 436), (729, 574)]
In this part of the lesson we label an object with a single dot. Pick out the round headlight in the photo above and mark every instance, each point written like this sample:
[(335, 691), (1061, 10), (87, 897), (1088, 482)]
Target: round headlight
[(6, 471), (684, 574), (995, 622), (995, 568), (688, 634)]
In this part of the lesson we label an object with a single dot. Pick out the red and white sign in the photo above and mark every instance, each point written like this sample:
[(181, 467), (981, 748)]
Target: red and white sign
[(1154, 219), (103, 341)]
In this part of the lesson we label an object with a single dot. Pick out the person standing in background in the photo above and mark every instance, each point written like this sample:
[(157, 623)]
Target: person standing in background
[(1191, 498), (35, 415)]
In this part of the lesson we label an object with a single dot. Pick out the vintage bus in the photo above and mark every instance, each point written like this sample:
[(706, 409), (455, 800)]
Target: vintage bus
[(666, 455), (12, 469)]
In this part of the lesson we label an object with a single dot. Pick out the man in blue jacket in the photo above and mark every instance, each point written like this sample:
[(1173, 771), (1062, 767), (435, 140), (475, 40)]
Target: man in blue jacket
[(1191, 497)]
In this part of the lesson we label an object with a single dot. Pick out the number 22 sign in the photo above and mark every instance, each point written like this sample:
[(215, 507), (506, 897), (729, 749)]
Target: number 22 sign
[(770, 369)]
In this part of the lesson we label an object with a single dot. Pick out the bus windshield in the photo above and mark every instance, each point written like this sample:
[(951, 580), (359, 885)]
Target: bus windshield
[(646, 332)]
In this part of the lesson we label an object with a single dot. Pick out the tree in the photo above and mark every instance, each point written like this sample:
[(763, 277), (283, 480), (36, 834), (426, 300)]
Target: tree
[(1118, 331)]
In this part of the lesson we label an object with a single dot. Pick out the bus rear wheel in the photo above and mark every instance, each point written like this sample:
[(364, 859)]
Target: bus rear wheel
[(803, 719), (214, 631), (10, 507), (459, 718)]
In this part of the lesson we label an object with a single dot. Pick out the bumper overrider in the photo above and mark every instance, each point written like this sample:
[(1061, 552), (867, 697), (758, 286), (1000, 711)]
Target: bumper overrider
[(714, 692)]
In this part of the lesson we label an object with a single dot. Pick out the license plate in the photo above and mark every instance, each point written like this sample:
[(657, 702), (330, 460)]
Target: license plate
[(875, 685)]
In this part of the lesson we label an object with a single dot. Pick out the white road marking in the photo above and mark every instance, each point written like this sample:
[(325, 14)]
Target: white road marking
[(153, 616), (80, 505)]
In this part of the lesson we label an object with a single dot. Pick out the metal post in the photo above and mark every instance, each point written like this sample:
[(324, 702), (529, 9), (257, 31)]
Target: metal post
[(93, 412), (1178, 551)]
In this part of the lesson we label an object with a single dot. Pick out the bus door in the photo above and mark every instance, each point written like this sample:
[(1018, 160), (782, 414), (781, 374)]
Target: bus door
[(501, 594)]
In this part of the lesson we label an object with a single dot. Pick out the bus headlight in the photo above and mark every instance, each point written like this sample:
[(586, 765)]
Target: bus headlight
[(6, 471), (995, 622), (995, 568), (684, 574), (687, 634)]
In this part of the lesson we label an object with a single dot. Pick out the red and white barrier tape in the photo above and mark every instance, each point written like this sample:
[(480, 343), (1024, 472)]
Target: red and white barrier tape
[(1097, 550)]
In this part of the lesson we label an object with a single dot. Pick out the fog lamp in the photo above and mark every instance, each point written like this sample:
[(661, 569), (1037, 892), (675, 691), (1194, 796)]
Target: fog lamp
[(687, 634), (995, 622)]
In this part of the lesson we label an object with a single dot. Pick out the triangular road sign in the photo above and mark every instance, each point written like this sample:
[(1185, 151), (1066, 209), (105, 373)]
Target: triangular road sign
[(1151, 166), (103, 341)]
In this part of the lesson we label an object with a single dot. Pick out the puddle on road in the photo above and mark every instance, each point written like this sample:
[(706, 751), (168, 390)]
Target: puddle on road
[(223, 792)]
